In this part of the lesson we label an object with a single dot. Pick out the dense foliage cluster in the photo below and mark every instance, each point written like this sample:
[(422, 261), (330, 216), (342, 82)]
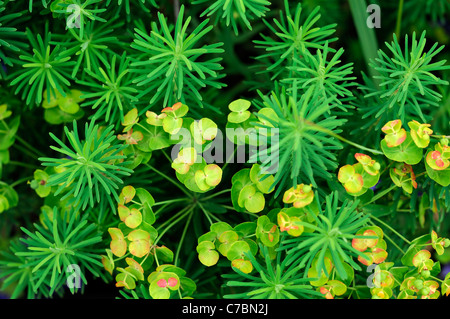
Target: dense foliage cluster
[(225, 149)]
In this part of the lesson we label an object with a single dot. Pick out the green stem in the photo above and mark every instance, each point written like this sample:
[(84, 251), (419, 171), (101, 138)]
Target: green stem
[(173, 217), (440, 136), (386, 168), (144, 128), (228, 159), (20, 181), (331, 133), (26, 144), (232, 208), (228, 207), (120, 258), (381, 194), (167, 156), (143, 260), (180, 243), (391, 229), (169, 179), (399, 18), (366, 35), (171, 201), (172, 224), (436, 279), (161, 209), (23, 164), (423, 173), (26, 151), (217, 194), (392, 242), (208, 214), (156, 256), (376, 152)]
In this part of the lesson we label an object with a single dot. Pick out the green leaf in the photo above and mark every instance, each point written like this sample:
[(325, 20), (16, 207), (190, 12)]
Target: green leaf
[(57, 116), (144, 196), (238, 250), (421, 257), (226, 240), (414, 248), (267, 231), (239, 112), (207, 254), (164, 254), (252, 200), (131, 217), (139, 242), (162, 284), (263, 182), (130, 119), (127, 194), (220, 227), (368, 179), (8, 135), (124, 279), (209, 236), (245, 228), (118, 244), (407, 152), (203, 130), (172, 125), (243, 265), (338, 287), (442, 177)]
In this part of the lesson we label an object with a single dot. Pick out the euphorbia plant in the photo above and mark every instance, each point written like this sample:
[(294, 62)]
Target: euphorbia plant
[(224, 149)]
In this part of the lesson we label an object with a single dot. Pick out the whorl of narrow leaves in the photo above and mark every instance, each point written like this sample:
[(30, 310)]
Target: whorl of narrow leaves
[(306, 147), (333, 229), (235, 12), (90, 50), (176, 68), (112, 92), (324, 74), (294, 37), (139, 4), (64, 241), (407, 83), (436, 9), (79, 12), (16, 273), (273, 279), (10, 38), (91, 169), (45, 69)]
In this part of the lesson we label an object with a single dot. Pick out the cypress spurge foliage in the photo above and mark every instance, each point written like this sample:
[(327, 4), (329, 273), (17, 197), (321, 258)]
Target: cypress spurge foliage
[(90, 50), (45, 69), (94, 166), (334, 228), (294, 35), (176, 66), (305, 148), (111, 92), (235, 12), (274, 279), (408, 81), (11, 40), (60, 243)]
